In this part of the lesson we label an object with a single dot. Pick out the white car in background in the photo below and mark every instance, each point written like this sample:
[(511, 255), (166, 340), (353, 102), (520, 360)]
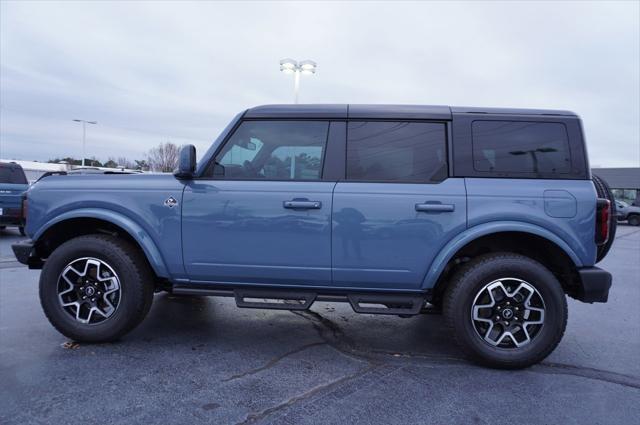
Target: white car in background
[(627, 212)]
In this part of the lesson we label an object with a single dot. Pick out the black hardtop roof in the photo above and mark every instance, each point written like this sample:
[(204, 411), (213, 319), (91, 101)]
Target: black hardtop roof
[(344, 111), (10, 164)]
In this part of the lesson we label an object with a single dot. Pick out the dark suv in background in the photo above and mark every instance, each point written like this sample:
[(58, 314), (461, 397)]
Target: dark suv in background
[(13, 184)]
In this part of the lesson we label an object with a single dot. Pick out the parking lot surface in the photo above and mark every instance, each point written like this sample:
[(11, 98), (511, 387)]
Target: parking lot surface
[(202, 360)]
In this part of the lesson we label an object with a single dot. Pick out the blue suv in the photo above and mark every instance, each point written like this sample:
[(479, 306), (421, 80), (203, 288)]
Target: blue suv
[(490, 216)]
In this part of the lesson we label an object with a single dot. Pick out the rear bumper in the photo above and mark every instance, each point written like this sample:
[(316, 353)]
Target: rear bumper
[(594, 285), (25, 253), (11, 218)]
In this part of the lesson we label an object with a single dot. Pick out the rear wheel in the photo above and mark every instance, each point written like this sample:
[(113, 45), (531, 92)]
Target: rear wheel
[(21, 230), (506, 310), (96, 288), (634, 220)]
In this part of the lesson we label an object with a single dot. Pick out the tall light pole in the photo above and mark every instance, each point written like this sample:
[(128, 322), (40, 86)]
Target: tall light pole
[(84, 137), (290, 66)]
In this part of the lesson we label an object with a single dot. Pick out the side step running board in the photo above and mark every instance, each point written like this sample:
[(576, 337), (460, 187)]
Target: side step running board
[(386, 304), (275, 300)]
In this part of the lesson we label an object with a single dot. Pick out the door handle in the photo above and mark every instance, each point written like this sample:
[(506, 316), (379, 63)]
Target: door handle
[(435, 207), (302, 205)]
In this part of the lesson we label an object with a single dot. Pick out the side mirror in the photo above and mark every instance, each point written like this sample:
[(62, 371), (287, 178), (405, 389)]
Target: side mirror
[(186, 162)]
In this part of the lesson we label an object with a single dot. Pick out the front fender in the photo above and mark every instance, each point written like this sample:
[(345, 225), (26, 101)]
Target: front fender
[(453, 246), (131, 227)]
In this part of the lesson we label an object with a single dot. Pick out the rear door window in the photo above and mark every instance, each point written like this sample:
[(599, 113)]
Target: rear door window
[(12, 175), (396, 151), (520, 147)]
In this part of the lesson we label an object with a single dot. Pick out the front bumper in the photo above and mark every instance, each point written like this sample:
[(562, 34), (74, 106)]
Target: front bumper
[(25, 253), (594, 285)]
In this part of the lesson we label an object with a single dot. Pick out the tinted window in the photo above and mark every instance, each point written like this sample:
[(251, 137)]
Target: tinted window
[(12, 174), (396, 151), (274, 150), (520, 147)]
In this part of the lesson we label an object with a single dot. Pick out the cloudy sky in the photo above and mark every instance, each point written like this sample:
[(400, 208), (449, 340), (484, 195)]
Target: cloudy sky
[(150, 71)]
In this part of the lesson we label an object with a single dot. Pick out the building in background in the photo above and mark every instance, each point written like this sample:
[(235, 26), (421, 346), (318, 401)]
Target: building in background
[(625, 182)]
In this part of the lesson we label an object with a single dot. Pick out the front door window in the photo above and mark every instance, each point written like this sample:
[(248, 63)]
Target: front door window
[(273, 150)]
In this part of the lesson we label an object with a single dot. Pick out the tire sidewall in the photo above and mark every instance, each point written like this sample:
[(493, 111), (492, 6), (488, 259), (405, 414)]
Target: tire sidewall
[(555, 311), (121, 265)]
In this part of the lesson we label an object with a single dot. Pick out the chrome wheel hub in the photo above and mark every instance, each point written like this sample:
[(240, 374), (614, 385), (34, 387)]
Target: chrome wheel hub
[(89, 290), (508, 313)]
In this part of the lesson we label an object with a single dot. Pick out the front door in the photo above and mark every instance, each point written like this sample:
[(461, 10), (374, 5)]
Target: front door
[(261, 213), (397, 207)]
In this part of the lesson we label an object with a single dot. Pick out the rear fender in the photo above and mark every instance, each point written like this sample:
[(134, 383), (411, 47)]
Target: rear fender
[(453, 246)]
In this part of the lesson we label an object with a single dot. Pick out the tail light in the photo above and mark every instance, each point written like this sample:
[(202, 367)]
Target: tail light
[(603, 218), (25, 208)]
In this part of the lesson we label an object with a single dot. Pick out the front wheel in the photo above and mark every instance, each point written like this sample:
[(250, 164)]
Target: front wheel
[(506, 310), (21, 230), (96, 288), (634, 220)]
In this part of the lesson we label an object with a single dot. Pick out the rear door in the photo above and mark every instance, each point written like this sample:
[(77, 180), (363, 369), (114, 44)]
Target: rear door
[(261, 214), (397, 207)]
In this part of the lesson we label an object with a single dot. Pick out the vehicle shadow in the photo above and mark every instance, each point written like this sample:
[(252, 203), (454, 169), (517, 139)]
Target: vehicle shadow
[(205, 321)]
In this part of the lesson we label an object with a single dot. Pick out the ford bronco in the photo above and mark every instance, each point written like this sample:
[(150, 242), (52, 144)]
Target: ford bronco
[(490, 216)]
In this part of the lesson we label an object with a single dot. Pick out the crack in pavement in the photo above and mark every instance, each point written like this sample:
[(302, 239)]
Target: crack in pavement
[(341, 342), (544, 367), (332, 335), (422, 356), (336, 339), (254, 417), (586, 372), (273, 361)]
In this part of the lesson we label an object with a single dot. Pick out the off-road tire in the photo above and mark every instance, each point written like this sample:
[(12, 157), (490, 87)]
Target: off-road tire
[(469, 281), (136, 281)]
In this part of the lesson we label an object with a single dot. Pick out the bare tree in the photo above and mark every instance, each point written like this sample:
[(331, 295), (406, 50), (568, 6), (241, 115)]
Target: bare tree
[(111, 163), (125, 162), (163, 158)]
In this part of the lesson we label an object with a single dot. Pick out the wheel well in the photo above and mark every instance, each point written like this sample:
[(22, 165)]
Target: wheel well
[(66, 230), (536, 247)]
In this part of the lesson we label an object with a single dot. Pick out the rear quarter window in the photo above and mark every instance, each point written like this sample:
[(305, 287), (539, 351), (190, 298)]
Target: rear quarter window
[(520, 147)]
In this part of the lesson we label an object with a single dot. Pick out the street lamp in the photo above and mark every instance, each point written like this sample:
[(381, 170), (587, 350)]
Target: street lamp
[(290, 66), (84, 137)]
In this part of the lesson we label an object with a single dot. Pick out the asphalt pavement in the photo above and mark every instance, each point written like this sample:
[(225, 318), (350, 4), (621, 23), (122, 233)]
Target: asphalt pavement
[(202, 360)]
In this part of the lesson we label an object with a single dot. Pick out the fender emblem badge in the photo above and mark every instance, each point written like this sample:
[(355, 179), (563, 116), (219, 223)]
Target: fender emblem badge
[(170, 202)]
